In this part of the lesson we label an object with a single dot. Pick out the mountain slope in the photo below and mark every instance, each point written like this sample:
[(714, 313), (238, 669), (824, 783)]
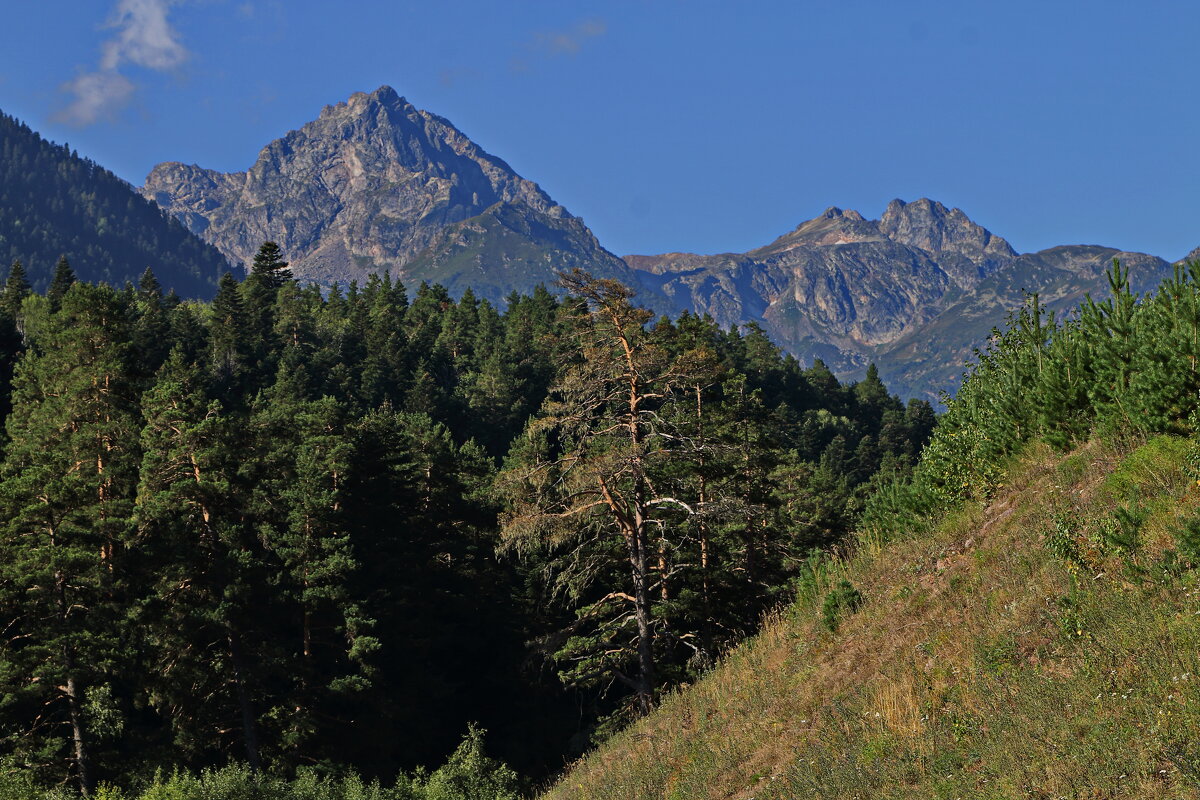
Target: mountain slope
[(931, 356), (509, 248), (981, 663), (376, 184), (832, 287), (915, 291), (54, 203)]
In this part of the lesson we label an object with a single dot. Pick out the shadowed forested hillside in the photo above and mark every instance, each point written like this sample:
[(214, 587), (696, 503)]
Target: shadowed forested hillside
[(54, 203)]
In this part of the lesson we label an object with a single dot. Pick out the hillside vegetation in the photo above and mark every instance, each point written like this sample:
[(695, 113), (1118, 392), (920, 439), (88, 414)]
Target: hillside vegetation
[(981, 662), (329, 532), (54, 203), (1018, 619)]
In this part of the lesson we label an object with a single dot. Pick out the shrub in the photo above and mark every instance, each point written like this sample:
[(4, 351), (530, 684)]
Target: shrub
[(843, 598)]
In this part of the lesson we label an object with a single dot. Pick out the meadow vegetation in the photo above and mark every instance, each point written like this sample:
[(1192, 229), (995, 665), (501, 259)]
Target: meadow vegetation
[(1025, 621)]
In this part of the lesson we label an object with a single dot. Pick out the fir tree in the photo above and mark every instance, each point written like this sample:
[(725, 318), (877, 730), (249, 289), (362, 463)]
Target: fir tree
[(16, 289), (68, 480), (268, 274), (64, 276), (151, 326), (269, 268), (229, 331)]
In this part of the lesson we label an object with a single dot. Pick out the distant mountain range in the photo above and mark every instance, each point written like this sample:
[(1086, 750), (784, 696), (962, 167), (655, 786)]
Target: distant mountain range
[(915, 291), (54, 203), (376, 184)]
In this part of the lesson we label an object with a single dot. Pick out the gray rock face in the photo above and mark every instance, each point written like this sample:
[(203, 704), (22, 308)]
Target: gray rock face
[(928, 225), (375, 184), (930, 357), (915, 291), (371, 185), (839, 284)]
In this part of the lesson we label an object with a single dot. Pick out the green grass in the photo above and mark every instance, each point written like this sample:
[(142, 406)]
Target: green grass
[(1013, 652)]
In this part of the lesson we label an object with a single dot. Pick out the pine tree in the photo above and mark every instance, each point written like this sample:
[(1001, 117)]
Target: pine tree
[(302, 456), (581, 474), (64, 276), (1165, 375), (16, 289), (422, 529), (68, 482), (385, 344), (1110, 326), (198, 563)]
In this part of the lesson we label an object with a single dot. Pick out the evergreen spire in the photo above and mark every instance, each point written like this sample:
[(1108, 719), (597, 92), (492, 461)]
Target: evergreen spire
[(148, 285), (228, 333), (64, 276), (16, 288), (269, 265)]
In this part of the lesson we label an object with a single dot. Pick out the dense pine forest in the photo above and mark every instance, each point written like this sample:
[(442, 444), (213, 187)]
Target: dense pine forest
[(326, 534), (54, 202)]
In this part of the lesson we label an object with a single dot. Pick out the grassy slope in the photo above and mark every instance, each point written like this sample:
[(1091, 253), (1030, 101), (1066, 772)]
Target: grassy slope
[(981, 664)]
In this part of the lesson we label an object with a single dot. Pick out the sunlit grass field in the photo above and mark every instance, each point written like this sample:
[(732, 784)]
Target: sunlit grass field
[(1023, 648)]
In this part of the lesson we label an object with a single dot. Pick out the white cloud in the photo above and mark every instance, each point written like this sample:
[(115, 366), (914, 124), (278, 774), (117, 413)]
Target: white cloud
[(144, 38), (97, 94), (571, 41), (564, 42)]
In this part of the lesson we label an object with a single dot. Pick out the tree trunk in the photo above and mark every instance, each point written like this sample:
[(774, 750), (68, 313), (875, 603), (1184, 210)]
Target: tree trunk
[(702, 497), (664, 590), (641, 595), (249, 730), (83, 766)]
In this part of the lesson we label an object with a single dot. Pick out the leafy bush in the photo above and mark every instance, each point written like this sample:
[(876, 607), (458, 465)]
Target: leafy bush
[(470, 774)]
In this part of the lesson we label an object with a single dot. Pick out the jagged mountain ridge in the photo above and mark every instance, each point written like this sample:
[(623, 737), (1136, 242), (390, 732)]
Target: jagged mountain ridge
[(930, 357), (915, 291), (376, 184), (839, 285)]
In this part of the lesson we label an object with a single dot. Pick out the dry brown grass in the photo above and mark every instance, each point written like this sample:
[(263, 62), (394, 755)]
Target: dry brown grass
[(961, 645)]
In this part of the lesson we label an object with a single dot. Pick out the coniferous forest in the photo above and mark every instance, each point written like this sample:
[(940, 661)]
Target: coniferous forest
[(53, 202), (329, 534), (1123, 367)]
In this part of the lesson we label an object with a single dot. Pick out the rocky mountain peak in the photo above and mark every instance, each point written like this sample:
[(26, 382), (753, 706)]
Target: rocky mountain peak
[(929, 225), (1194, 255), (361, 103), (832, 227), (366, 186), (833, 212)]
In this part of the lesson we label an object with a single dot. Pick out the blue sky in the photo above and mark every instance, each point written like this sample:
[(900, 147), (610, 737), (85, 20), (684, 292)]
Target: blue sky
[(667, 124)]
